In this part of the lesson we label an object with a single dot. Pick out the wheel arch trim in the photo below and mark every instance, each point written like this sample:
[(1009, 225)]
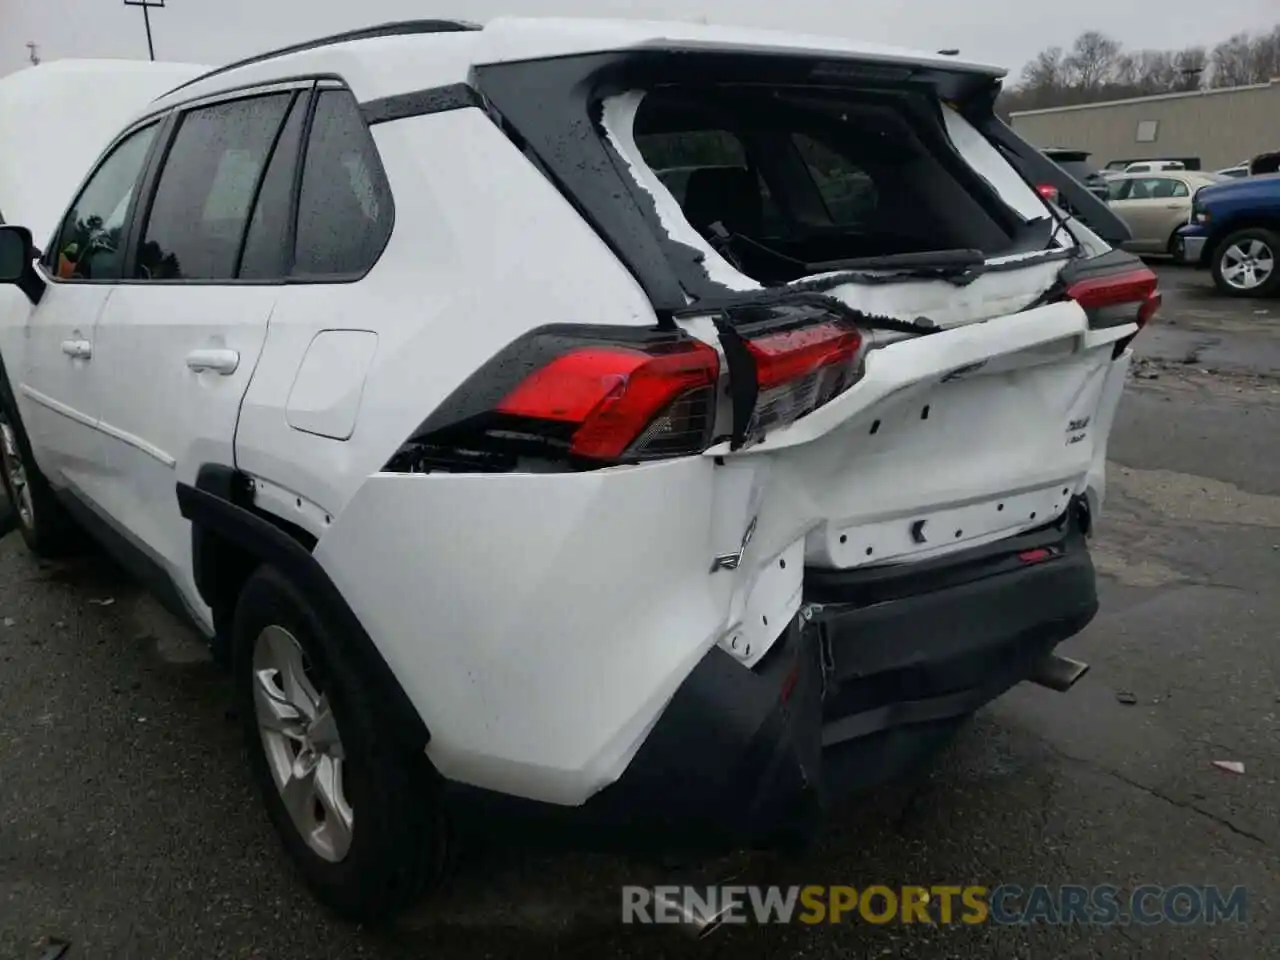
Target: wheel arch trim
[(220, 504)]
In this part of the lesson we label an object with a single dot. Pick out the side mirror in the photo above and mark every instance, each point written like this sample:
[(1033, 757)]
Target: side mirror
[(17, 254)]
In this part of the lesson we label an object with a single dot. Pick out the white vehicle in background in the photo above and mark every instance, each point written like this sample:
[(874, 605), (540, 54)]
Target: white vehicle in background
[(1154, 166), (55, 119), (516, 491)]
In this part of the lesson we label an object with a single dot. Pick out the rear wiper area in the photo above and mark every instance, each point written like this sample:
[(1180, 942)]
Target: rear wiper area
[(941, 261), (960, 267)]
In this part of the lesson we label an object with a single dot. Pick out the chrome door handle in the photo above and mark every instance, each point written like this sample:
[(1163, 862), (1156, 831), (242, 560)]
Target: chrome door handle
[(217, 360), (80, 349)]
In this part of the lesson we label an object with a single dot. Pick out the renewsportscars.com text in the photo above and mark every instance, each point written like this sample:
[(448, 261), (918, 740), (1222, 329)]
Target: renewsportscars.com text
[(1007, 904)]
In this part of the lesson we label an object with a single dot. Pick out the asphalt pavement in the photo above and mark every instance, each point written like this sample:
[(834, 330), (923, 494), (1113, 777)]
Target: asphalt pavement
[(128, 827)]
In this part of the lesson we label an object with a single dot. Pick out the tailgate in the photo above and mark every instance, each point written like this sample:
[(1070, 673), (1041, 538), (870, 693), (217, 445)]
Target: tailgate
[(946, 441)]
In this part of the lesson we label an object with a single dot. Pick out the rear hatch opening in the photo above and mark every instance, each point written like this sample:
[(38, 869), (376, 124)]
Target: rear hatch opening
[(782, 184), (906, 331)]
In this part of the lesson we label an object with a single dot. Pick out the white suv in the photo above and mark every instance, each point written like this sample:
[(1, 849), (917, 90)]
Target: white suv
[(513, 489)]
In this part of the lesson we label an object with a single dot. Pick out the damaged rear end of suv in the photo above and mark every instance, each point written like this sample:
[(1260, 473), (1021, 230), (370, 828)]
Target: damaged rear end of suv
[(860, 450), (737, 426)]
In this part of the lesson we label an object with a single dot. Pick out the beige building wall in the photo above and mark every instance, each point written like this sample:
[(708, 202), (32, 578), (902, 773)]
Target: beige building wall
[(1221, 127)]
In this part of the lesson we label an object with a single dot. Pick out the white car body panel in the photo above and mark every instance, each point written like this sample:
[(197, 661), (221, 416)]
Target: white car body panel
[(157, 332), (57, 393)]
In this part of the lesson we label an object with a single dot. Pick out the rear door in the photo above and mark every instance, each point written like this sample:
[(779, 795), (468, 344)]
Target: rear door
[(179, 341)]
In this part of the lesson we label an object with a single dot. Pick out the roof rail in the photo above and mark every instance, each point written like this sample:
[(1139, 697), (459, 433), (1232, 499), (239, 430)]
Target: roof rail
[(399, 28)]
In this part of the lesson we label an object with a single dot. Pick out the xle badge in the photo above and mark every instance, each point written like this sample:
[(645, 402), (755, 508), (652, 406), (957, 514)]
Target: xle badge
[(1077, 431)]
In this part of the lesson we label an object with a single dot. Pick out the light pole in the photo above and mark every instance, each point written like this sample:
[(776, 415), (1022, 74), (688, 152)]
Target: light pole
[(146, 6)]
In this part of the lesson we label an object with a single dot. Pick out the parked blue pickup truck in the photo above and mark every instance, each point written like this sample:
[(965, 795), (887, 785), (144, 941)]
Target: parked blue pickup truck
[(1234, 230)]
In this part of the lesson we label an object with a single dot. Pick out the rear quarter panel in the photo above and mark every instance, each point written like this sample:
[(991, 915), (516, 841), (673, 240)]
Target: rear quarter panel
[(484, 249)]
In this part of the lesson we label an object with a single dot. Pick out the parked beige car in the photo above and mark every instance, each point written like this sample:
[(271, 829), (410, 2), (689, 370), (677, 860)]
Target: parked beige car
[(1155, 205)]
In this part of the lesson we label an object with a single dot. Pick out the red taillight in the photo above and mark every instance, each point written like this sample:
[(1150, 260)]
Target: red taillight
[(783, 357), (578, 396), (1048, 191), (623, 399), (1035, 556), (799, 370), (1128, 297)]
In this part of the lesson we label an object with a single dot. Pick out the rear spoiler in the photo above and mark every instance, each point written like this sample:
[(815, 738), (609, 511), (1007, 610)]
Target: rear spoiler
[(1038, 168)]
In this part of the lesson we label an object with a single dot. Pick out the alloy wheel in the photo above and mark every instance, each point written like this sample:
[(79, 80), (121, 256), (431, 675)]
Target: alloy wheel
[(1248, 264), (302, 744)]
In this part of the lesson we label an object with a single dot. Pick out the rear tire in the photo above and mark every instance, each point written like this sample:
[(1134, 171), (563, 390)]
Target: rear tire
[(1247, 263), (46, 527), (359, 816)]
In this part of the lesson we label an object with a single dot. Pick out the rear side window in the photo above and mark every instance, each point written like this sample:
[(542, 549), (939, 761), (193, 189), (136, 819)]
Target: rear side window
[(344, 207), (206, 189)]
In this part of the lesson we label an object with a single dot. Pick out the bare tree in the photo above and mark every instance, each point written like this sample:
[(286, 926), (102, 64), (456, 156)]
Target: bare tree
[(1189, 67), (1231, 62), (1092, 59), (1096, 68), (1158, 72), (1264, 57), (1046, 72)]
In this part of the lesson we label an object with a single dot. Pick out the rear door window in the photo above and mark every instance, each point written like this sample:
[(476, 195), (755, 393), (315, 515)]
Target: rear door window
[(267, 253), (1167, 188), (206, 189)]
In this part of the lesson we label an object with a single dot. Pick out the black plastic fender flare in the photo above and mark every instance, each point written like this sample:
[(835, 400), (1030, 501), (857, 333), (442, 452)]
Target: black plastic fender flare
[(217, 504)]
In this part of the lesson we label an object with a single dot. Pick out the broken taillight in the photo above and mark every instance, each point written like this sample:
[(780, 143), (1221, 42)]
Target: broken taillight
[(799, 370), (1128, 296)]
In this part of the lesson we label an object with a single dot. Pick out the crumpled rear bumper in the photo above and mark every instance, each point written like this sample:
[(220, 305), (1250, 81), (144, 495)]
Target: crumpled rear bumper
[(858, 691)]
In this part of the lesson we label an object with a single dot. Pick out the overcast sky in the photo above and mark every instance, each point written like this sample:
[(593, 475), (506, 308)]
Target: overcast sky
[(1007, 32)]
